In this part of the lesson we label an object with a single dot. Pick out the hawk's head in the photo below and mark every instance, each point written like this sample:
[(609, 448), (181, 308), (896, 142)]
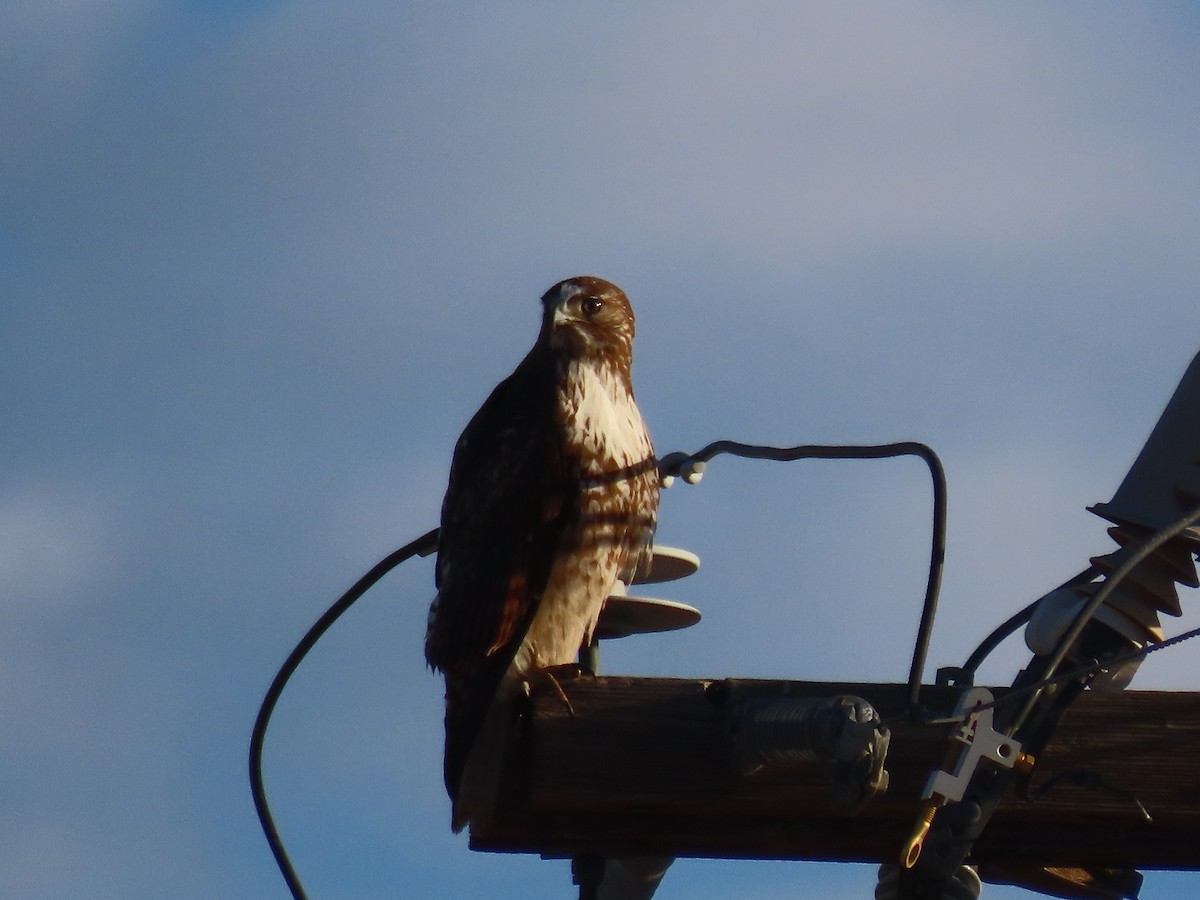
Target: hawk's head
[(589, 318)]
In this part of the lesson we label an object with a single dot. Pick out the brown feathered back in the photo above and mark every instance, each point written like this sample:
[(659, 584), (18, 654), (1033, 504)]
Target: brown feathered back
[(552, 497)]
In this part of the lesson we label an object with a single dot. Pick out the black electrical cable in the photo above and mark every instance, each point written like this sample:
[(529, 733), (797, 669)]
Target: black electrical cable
[(1002, 631), (426, 543), (1131, 562), (1083, 671), (1050, 675), (672, 465), (677, 464)]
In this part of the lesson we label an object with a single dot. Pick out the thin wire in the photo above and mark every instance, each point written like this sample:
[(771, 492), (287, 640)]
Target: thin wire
[(676, 464), (672, 465), (998, 636), (1097, 666), (1083, 671), (1140, 555), (1050, 679), (424, 544)]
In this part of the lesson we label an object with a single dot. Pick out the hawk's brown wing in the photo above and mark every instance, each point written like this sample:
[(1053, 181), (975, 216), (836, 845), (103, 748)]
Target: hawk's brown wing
[(502, 517)]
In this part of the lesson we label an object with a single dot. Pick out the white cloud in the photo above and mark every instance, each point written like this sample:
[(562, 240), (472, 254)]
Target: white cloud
[(54, 542), (54, 57), (267, 266)]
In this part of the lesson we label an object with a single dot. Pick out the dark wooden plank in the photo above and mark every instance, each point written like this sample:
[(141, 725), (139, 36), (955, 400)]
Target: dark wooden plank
[(637, 766)]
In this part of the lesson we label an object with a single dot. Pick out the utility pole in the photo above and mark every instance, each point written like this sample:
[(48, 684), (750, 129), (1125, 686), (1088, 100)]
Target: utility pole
[(1045, 783), (642, 767)]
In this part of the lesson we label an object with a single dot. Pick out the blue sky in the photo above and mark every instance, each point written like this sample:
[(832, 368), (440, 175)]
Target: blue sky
[(260, 263)]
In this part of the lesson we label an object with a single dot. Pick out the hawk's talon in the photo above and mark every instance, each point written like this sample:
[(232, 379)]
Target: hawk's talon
[(555, 675)]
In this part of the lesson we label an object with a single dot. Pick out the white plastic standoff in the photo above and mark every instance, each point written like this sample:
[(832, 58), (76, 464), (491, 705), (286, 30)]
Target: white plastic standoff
[(980, 741)]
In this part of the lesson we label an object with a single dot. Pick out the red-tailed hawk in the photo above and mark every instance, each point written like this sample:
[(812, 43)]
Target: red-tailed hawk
[(552, 497)]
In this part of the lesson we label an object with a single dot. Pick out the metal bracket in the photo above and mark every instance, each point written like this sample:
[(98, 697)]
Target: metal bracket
[(979, 741), (972, 742), (844, 734)]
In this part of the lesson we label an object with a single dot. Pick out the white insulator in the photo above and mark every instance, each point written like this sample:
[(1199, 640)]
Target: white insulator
[(1055, 614)]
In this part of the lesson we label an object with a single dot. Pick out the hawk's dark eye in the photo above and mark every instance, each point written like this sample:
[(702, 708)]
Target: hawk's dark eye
[(591, 306)]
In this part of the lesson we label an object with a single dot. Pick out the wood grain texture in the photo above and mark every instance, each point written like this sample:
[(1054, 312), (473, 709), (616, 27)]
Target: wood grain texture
[(640, 766)]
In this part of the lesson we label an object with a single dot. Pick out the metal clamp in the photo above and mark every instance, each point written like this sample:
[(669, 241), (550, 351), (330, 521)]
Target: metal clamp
[(844, 734), (973, 741)]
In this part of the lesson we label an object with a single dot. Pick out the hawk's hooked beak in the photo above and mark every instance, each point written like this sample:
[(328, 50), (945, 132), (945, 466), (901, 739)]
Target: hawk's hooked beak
[(566, 305), (563, 314), (568, 325)]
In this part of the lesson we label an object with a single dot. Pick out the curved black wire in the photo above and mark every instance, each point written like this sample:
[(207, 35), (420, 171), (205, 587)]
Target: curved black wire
[(1083, 671), (426, 543), (1143, 552), (1051, 676), (673, 465), (1002, 631), (678, 464)]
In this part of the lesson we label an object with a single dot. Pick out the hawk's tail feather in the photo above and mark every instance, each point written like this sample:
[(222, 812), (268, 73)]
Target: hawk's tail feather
[(478, 714)]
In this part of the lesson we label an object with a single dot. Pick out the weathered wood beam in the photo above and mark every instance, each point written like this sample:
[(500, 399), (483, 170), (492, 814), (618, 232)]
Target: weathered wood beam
[(640, 766)]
